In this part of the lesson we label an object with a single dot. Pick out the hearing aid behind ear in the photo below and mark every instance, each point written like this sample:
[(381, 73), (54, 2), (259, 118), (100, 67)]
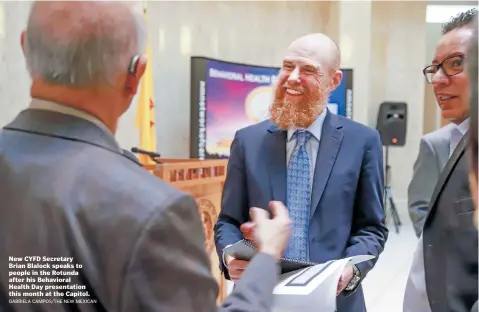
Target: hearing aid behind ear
[(133, 64), (132, 69)]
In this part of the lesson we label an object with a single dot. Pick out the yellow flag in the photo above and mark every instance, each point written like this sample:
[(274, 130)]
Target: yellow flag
[(145, 114)]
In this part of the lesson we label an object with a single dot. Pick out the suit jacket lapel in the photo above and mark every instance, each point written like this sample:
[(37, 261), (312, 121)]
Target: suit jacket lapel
[(330, 142), (444, 176), (276, 162)]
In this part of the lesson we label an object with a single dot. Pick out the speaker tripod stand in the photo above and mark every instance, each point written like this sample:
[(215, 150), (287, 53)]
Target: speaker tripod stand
[(388, 197)]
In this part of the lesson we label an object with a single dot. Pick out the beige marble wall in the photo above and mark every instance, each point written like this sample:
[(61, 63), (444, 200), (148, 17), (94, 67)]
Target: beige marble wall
[(401, 78), (383, 42), (14, 80)]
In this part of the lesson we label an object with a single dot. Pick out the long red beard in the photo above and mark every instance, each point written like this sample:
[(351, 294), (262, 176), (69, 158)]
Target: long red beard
[(286, 114)]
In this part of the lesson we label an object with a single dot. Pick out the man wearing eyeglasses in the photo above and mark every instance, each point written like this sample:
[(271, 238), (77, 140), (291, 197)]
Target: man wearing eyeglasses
[(450, 89), (443, 276)]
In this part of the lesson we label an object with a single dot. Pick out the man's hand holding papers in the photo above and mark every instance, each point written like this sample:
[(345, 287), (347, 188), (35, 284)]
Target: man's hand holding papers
[(303, 286)]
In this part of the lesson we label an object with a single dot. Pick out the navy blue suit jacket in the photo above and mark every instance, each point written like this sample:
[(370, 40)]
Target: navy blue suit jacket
[(347, 216)]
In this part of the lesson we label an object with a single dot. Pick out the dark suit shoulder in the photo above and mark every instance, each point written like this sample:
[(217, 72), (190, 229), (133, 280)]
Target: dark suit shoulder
[(255, 128), (355, 131), (350, 125)]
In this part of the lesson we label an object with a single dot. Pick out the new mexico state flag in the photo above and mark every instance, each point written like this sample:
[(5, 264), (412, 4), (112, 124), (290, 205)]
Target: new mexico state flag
[(145, 114)]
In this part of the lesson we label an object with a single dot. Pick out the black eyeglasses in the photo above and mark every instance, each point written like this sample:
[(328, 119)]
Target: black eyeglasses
[(451, 66)]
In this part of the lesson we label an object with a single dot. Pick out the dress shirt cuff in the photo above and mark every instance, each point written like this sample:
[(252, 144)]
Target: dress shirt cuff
[(226, 258)]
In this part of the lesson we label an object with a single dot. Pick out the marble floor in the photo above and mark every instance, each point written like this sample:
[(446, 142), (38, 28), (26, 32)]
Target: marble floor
[(384, 286)]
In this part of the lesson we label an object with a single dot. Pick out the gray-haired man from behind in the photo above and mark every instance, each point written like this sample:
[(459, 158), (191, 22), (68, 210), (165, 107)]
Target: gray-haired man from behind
[(68, 190)]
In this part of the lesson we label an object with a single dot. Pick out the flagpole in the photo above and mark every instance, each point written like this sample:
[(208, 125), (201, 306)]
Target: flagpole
[(145, 119)]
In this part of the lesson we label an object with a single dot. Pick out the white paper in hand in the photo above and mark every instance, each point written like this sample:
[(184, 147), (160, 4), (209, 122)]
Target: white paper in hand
[(312, 289)]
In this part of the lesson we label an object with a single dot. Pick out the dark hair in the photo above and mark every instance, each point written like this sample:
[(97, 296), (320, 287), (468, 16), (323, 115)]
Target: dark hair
[(473, 83), (460, 20)]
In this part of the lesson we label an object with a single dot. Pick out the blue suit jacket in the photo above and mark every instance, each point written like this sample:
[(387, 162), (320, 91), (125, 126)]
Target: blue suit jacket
[(347, 216)]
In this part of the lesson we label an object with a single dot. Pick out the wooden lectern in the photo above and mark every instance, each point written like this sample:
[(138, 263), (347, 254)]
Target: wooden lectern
[(204, 180)]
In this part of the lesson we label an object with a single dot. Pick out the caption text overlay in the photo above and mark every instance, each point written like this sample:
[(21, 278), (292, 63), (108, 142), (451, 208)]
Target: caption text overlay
[(46, 280)]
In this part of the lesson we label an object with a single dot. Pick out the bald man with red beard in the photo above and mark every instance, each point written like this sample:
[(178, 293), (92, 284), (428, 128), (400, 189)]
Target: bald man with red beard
[(327, 169)]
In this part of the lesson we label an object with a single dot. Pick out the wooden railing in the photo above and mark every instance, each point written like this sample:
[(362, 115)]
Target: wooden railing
[(204, 180)]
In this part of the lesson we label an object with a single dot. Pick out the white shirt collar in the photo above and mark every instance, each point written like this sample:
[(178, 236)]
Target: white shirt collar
[(464, 126), (316, 128), (67, 110)]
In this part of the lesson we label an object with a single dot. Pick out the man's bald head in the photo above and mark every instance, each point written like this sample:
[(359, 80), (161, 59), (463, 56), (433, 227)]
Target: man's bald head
[(317, 47), (82, 44)]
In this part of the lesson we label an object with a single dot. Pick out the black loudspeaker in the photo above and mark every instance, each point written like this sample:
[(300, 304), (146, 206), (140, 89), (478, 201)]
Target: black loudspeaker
[(392, 123)]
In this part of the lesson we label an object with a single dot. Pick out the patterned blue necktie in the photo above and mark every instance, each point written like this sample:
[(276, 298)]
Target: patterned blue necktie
[(298, 198)]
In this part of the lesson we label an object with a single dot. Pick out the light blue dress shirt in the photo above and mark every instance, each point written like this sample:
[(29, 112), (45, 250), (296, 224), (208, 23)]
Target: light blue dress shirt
[(312, 146)]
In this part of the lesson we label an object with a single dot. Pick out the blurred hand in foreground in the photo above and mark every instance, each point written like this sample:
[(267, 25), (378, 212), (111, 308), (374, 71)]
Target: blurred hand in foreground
[(270, 235)]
